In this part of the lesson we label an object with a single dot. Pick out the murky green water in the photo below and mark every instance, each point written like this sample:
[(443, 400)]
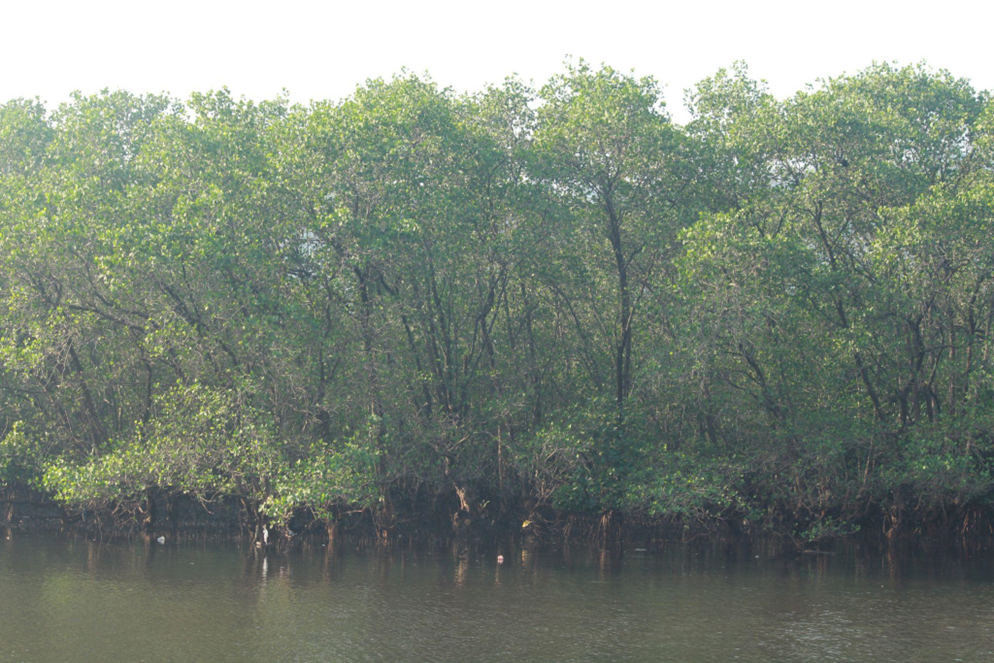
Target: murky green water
[(80, 601)]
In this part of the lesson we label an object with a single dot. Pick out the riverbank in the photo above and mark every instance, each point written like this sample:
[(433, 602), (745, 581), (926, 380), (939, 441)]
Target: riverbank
[(182, 517)]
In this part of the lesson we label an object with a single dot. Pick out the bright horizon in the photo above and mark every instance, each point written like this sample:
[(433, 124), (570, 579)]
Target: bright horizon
[(322, 51)]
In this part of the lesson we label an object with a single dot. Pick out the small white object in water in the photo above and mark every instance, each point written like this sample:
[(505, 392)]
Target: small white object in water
[(500, 559), (161, 540)]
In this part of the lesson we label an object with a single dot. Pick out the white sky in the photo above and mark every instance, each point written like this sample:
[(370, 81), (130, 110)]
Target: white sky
[(322, 50)]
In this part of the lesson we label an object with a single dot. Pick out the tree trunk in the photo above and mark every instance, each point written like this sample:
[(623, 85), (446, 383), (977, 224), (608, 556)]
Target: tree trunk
[(148, 523), (610, 527)]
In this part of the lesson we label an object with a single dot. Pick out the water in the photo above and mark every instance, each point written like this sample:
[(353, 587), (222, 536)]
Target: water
[(75, 600)]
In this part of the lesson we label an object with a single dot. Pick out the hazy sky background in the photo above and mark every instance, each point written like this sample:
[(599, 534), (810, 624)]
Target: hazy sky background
[(322, 50)]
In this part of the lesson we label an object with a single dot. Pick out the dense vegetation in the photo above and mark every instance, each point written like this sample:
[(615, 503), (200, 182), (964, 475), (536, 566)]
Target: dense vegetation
[(508, 306)]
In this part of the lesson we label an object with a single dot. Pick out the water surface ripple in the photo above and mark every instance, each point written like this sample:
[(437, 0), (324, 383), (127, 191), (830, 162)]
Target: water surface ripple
[(76, 600)]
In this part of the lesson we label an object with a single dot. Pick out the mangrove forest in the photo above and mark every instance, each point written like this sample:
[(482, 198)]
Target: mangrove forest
[(548, 309)]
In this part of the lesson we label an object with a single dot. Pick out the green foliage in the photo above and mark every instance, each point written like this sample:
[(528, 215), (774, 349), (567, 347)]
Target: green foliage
[(782, 311), (342, 474), (22, 457), (689, 488)]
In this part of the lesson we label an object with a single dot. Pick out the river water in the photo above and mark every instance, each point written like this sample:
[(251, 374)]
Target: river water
[(77, 600)]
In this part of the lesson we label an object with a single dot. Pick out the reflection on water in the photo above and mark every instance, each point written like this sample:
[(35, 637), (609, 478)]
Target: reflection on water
[(75, 600)]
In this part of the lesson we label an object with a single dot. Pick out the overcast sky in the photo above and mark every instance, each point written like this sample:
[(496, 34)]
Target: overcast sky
[(322, 50)]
